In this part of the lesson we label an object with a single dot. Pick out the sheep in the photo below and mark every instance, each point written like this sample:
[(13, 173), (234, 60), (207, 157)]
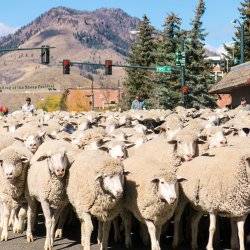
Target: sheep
[(99, 192), (151, 194), (217, 184), (183, 145), (46, 183), (6, 140), (14, 165)]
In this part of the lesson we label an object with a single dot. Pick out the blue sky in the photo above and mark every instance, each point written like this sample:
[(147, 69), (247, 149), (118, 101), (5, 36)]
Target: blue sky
[(217, 20)]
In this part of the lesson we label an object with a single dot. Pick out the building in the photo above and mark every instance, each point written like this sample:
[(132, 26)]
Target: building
[(217, 69), (233, 86), (88, 98)]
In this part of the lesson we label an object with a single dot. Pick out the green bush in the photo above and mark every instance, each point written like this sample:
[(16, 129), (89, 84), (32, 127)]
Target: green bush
[(50, 103)]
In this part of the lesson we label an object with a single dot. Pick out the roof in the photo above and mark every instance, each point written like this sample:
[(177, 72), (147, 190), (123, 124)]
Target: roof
[(239, 76)]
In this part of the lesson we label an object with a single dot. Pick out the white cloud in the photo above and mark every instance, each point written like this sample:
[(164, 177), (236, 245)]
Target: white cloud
[(5, 29)]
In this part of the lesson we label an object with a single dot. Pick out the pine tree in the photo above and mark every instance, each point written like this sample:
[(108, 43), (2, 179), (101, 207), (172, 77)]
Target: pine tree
[(168, 85), (233, 52), (198, 76), (139, 81)]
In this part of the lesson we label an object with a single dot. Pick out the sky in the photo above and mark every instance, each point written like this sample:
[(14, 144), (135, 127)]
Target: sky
[(217, 19)]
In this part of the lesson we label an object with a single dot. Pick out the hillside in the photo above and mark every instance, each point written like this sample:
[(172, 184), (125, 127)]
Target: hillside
[(77, 35)]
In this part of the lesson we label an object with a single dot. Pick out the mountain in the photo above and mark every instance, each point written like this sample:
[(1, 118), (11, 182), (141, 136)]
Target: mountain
[(77, 35)]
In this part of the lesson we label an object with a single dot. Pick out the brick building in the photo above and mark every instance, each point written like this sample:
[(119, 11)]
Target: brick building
[(233, 86), (97, 97)]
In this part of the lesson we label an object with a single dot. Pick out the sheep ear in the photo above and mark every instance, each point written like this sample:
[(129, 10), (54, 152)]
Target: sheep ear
[(130, 145), (172, 141), (24, 159), (126, 173), (180, 179), (42, 134), (98, 177), (1, 163), (155, 180), (19, 139), (67, 139), (43, 157), (106, 149)]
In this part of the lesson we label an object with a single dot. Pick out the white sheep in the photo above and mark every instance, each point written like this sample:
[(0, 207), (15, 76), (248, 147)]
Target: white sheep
[(14, 165), (46, 182), (98, 193), (151, 194), (217, 184)]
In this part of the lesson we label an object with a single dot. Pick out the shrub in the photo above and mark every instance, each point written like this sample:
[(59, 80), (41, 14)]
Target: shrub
[(50, 103)]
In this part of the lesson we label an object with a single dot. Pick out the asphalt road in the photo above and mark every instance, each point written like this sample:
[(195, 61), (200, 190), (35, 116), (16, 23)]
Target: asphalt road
[(71, 240)]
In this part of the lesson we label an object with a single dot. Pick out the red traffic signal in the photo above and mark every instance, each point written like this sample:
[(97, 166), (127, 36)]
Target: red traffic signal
[(66, 67), (108, 67)]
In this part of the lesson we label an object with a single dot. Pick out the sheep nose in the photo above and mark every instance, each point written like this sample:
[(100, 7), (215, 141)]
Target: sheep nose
[(60, 172), (119, 194), (172, 200), (223, 142), (190, 157)]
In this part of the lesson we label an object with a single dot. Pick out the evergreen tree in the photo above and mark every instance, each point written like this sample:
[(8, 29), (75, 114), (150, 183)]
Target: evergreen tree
[(168, 85), (139, 81), (198, 76), (233, 52)]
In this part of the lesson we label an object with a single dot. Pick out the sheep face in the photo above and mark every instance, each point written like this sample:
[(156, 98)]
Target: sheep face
[(186, 146), (113, 184), (57, 163), (244, 132), (118, 151), (167, 191), (84, 125), (12, 168), (217, 140), (33, 142)]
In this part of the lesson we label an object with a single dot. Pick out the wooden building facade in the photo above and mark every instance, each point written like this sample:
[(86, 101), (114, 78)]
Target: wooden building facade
[(233, 86)]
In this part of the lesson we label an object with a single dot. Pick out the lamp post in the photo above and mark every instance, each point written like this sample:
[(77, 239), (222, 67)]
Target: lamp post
[(242, 38)]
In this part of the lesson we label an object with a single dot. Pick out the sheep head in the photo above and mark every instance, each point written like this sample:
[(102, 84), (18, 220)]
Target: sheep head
[(12, 163), (58, 163)]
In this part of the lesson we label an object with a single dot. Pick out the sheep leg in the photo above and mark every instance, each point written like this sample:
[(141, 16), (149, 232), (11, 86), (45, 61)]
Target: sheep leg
[(117, 236), (240, 225), (105, 235), (20, 220), (62, 220), (194, 228), (152, 233), (87, 230), (177, 221), (234, 235), (99, 237), (144, 234), (212, 228), (158, 232), (31, 214), (127, 221), (12, 218), (6, 215), (1, 215), (48, 224), (55, 218)]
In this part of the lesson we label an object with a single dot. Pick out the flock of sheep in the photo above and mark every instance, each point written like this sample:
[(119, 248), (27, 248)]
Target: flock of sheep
[(121, 168)]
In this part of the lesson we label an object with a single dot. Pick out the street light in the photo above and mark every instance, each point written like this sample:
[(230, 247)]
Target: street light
[(242, 38)]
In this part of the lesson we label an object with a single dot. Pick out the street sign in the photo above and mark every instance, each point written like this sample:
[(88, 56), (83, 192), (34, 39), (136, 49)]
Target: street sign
[(163, 69)]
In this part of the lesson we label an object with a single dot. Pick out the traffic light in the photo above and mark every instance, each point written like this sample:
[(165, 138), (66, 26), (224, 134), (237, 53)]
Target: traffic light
[(108, 67), (45, 55), (66, 67)]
